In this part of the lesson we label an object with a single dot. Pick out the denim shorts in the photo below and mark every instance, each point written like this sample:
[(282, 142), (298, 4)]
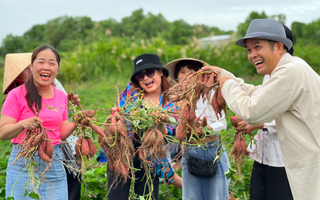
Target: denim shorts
[(18, 177), (215, 188)]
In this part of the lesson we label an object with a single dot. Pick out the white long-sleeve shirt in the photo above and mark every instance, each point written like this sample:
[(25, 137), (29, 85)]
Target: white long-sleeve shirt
[(265, 148)]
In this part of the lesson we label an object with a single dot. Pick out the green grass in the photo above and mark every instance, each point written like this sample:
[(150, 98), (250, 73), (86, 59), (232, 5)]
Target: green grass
[(97, 94)]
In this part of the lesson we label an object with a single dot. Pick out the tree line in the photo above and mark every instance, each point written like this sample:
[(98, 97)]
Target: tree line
[(64, 33), (95, 48)]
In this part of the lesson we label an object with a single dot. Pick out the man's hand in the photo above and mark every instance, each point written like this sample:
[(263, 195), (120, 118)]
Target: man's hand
[(246, 128), (214, 68), (222, 80)]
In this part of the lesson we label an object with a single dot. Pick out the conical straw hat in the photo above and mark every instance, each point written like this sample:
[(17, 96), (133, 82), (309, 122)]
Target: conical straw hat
[(15, 63)]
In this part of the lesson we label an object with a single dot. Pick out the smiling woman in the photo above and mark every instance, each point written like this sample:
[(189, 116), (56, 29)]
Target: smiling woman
[(150, 77), (45, 63), (26, 110)]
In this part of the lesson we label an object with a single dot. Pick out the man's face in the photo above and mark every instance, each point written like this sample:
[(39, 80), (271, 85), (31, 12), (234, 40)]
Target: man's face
[(262, 56)]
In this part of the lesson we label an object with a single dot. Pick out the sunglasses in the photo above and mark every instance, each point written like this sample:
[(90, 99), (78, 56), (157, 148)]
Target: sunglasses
[(148, 72)]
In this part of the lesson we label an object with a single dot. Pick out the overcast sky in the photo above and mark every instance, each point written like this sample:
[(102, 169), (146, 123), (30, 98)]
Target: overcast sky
[(18, 16)]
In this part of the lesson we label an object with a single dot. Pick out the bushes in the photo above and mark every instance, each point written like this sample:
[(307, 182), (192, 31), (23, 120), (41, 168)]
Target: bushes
[(115, 57)]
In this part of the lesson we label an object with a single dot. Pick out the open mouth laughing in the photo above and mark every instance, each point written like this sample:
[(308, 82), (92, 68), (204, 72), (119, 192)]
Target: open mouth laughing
[(149, 84), (45, 76), (257, 63)]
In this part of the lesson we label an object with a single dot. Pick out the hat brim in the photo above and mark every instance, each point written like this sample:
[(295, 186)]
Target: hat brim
[(148, 66), (15, 63), (171, 66), (259, 35)]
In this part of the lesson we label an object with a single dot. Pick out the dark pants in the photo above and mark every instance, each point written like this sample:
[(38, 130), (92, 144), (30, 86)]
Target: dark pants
[(120, 190), (269, 183), (74, 186)]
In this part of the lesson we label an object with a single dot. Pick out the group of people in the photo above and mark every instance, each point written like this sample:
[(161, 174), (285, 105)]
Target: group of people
[(283, 108)]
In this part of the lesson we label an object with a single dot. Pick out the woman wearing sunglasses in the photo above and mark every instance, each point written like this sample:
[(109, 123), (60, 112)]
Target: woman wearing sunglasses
[(150, 77)]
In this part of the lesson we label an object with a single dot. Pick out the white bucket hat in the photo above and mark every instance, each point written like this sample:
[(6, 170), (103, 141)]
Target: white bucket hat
[(268, 29), (171, 66), (15, 63)]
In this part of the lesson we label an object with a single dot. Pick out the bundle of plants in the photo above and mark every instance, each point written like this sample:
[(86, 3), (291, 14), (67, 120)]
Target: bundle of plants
[(152, 147), (239, 148), (112, 137), (118, 145), (188, 91), (36, 140), (149, 122), (85, 120), (191, 128), (33, 141)]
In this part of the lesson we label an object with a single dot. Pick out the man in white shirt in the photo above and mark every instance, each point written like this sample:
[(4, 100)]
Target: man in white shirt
[(268, 179), (291, 96)]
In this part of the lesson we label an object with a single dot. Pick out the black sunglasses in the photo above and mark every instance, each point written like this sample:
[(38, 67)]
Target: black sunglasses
[(149, 72)]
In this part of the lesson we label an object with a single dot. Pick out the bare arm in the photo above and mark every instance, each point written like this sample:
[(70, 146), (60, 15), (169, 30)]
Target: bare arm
[(67, 129), (10, 128), (177, 181)]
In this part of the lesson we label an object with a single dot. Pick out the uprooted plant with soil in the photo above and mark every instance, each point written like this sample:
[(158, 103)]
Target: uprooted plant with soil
[(191, 128), (189, 90), (239, 147)]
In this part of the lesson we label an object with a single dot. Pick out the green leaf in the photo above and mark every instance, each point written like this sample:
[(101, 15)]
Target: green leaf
[(51, 108), (135, 122), (209, 131), (34, 195), (141, 198), (33, 163), (9, 198), (25, 193), (172, 119)]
